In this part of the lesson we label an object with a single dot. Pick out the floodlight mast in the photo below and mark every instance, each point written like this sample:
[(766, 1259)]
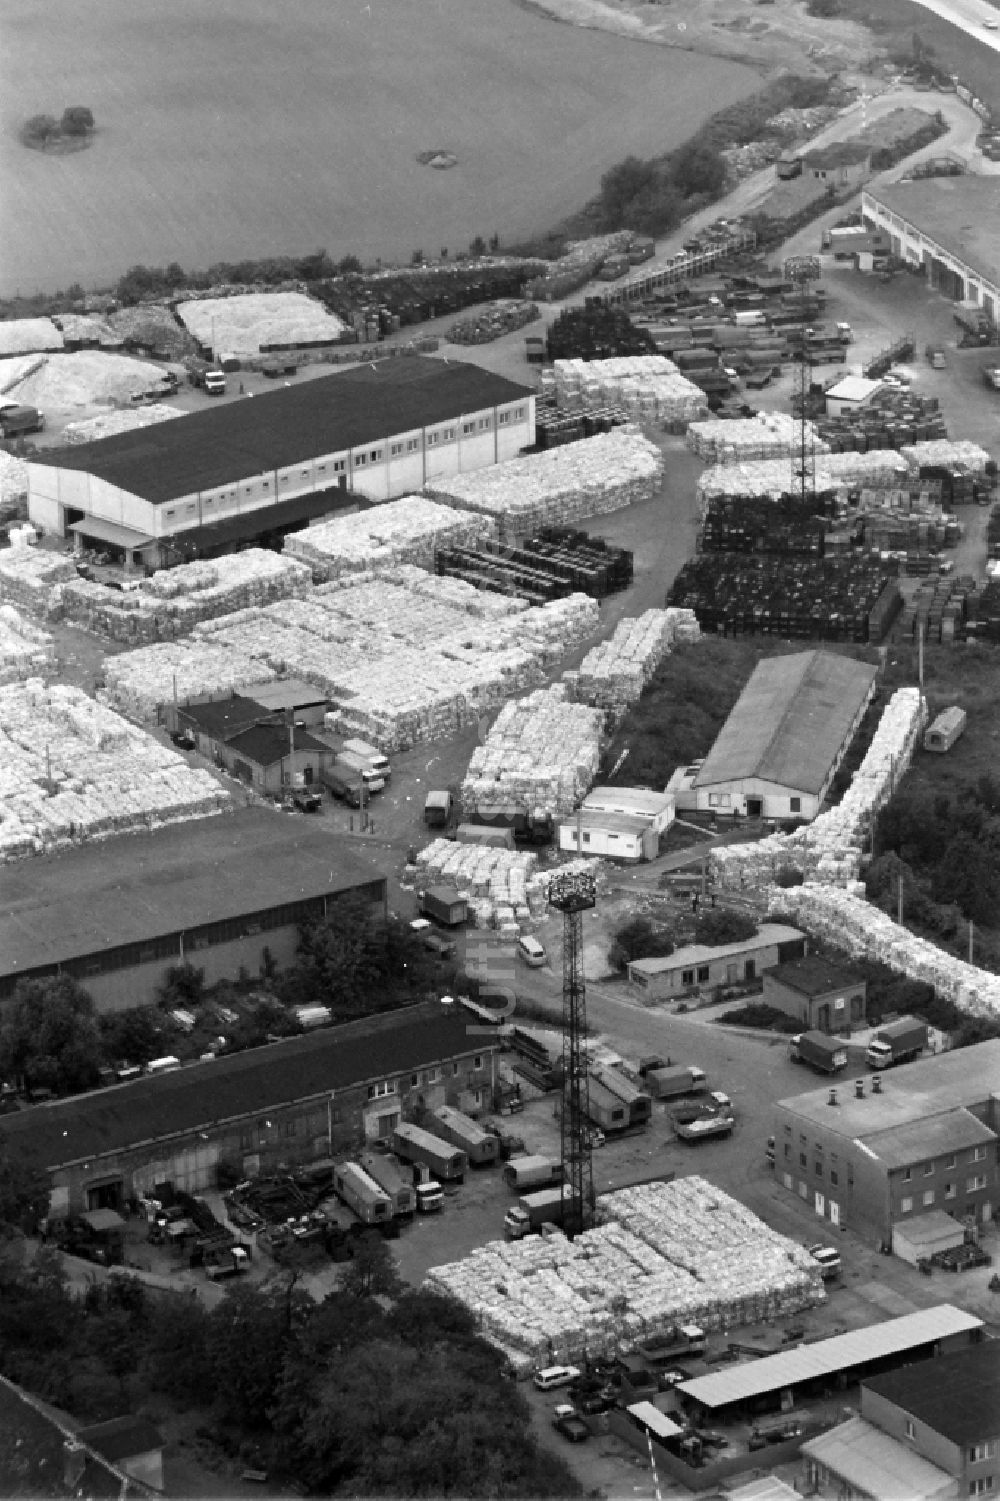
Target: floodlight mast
[(573, 893)]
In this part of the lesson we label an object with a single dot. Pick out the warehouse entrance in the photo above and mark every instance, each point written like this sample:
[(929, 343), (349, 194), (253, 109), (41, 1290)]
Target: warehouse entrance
[(755, 807), (108, 1195)]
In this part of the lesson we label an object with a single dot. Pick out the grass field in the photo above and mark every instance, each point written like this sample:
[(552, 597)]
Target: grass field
[(241, 128)]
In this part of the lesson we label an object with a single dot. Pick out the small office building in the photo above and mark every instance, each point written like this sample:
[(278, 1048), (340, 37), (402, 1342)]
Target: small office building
[(623, 823), (822, 995), (851, 395), (698, 967)]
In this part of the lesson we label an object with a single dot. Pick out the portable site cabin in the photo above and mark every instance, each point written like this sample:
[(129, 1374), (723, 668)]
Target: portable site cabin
[(607, 1109), (639, 1102), (414, 1144), (941, 735), (362, 1194), (392, 1178), (480, 1147)]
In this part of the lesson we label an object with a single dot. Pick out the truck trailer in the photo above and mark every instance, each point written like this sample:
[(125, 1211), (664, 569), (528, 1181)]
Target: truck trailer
[(444, 905), (362, 1194), (681, 1078), (394, 1180), (682, 1342), (16, 419), (367, 758), (552, 1206), (532, 1172), (825, 1054), (414, 1144), (897, 1042), (479, 1146)]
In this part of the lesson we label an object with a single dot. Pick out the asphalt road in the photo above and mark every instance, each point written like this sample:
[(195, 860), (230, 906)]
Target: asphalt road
[(968, 16)]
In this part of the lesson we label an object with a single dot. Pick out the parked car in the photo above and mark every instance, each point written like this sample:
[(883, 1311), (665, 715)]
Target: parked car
[(592, 1406), (572, 1428), (441, 948)]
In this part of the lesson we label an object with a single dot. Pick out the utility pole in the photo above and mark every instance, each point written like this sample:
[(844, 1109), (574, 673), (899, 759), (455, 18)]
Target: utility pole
[(899, 901), (970, 940)]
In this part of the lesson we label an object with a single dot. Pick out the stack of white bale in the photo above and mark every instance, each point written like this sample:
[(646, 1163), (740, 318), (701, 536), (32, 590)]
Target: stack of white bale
[(456, 592), (495, 882), (405, 660), (543, 752), (772, 478), (661, 1254), (26, 651), (13, 487), (72, 770), (29, 575), (769, 435), (946, 453), (829, 849), (561, 485), (846, 919), (174, 601), (408, 530), (613, 674), (649, 386)]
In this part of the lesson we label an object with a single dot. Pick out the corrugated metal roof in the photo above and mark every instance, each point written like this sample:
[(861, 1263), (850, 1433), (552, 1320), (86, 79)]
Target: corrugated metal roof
[(658, 1423), (790, 721), (635, 801), (929, 1136), (765, 1488), (769, 935), (854, 388), (843, 1352), (243, 439), (874, 1464)]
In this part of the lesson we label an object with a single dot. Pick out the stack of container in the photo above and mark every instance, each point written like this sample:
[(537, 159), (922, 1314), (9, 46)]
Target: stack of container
[(795, 597)]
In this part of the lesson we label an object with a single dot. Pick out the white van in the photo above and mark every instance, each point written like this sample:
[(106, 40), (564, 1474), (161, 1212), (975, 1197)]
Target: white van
[(162, 1065), (531, 951), (366, 757), (555, 1375)]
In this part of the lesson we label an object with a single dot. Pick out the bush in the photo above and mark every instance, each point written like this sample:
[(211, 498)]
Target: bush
[(719, 925), (639, 939), (757, 1014)]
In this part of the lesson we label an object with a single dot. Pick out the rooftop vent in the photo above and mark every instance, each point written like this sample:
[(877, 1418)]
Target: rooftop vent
[(877, 1084), (859, 1089), (833, 1097)]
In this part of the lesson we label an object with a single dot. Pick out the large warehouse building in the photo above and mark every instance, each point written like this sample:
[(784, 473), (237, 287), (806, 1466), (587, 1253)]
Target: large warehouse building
[(779, 750), (901, 1155), (948, 225), (261, 1111), (217, 892), (245, 469)]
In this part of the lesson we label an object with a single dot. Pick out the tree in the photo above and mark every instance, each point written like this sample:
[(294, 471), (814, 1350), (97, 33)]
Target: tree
[(183, 985), (77, 121), (40, 130), (49, 1036), (969, 875), (372, 1270), (639, 939), (247, 1336), (477, 246), (620, 185), (176, 1359), (349, 265), (24, 1192), (130, 1036), (719, 925), (697, 168)]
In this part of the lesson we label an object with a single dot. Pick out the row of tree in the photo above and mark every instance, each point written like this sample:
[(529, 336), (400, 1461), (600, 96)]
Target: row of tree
[(370, 1395), (42, 131)]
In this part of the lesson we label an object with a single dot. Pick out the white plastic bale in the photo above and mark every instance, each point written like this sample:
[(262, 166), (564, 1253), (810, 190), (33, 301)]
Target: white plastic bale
[(71, 770), (770, 479)]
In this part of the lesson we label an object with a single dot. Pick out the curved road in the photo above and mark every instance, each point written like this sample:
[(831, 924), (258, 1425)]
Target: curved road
[(969, 16)]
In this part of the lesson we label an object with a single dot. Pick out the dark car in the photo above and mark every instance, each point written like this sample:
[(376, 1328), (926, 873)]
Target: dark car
[(713, 1440), (603, 1401), (572, 1427), (442, 948), (307, 800)]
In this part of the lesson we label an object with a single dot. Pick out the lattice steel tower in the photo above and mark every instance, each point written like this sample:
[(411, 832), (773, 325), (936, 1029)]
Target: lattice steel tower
[(802, 269), (573, 894)]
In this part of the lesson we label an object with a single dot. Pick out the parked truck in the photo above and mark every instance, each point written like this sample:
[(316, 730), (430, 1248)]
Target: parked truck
[(438, 808), (231, 1261), (393, 1179), (366, 757), (682, 1342), (549, 1207), (532, 1172), (362, 1194), (681, 1078), (16, 419), (354, 770), (527, 828), (479, 1146), (896, 1042), (825, 1054), (414, 1144), (444, 905)]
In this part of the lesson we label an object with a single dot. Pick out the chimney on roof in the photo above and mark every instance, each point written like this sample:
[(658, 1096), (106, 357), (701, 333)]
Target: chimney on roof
[(833, 1097), (74, 1463), (859, 1089), (877, 1084)]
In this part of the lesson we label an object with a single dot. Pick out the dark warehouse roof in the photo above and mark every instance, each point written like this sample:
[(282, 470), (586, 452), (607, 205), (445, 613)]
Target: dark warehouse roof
[(138, 887), (202, 1095), (957, 1395), (331, 414), (815, 975)]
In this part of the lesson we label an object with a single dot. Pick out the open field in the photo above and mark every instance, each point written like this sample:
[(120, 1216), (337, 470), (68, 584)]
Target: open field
[(245, 129)]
